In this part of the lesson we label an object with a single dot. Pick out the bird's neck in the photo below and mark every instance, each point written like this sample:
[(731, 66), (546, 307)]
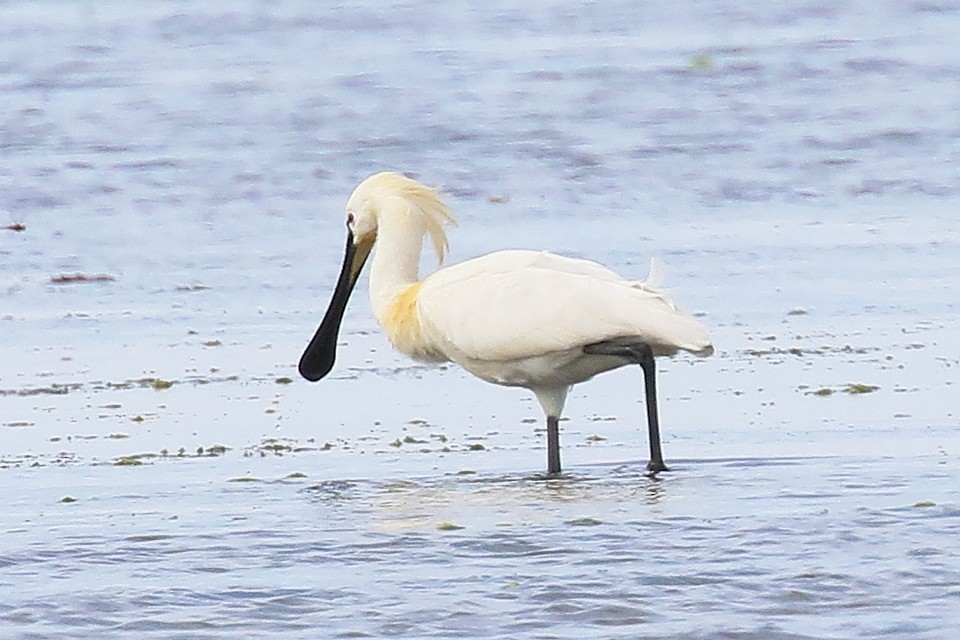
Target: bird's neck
[(396, 261)]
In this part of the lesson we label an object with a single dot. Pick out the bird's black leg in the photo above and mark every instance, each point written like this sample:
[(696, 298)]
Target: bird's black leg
[(642, 354), (649, 367), (553, 445)]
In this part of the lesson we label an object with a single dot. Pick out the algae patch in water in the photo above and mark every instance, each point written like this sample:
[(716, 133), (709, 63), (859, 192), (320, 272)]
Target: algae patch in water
[(853, 388), (201, 452), (584, 522), (74, 278), (449, 526), (128, 461), (924, 504), (702, 62), (776, 351), (67, 499), (856, 388), (284, 380), (54, 389), (160, 385), (276, 446)]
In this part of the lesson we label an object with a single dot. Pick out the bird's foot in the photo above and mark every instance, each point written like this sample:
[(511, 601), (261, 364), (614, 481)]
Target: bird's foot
[(656, 466)]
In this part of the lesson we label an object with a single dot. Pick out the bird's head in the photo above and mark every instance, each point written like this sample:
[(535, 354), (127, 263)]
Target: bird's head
[(384, 199), (402, 200)]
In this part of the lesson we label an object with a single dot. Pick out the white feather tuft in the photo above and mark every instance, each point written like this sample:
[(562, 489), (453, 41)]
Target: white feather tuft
[(423, 202), (656, 276)]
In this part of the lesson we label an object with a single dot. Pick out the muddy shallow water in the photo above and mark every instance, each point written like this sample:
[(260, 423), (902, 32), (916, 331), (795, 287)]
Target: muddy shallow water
[(171, 194)]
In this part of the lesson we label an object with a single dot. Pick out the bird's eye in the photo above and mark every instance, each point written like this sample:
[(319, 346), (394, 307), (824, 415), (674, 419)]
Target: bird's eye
[(349, 218)]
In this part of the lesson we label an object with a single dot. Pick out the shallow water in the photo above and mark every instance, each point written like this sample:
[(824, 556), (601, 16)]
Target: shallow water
[(165, 474)]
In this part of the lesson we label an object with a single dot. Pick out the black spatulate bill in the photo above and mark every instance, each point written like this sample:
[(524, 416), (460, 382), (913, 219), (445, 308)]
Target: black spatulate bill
[(318, 358)]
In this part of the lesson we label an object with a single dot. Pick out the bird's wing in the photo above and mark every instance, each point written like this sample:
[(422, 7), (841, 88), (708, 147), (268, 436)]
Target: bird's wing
[(519, 304)]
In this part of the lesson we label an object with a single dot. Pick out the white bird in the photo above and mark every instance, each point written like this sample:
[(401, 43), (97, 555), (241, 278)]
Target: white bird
[(515, 318)]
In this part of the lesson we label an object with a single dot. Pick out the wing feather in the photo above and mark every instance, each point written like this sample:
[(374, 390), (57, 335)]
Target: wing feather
[(520, 304)]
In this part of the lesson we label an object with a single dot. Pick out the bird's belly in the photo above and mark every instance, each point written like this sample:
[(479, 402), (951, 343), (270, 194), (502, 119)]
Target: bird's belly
[(554, 369)]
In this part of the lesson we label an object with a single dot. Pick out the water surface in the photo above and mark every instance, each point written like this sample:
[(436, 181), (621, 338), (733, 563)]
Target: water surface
[(174, 178)]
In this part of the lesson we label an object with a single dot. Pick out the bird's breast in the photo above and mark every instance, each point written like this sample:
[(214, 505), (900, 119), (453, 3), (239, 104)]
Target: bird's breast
[(401, 322)]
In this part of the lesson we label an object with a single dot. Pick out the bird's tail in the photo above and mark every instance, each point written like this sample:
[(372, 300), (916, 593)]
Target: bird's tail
[(691, 335), (656, 276)]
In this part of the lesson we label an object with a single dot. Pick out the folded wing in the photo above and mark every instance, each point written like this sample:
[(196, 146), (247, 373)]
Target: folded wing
[(520, 304)]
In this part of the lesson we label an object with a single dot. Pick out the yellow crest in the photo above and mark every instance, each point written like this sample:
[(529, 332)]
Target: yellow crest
[(423, 202)]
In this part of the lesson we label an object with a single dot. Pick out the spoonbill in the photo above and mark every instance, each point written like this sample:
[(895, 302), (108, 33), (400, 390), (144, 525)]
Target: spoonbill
[(515, 318)]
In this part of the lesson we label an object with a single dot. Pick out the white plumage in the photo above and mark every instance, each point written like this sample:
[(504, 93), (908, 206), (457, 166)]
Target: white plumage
[(517, 318), (517, 304)]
